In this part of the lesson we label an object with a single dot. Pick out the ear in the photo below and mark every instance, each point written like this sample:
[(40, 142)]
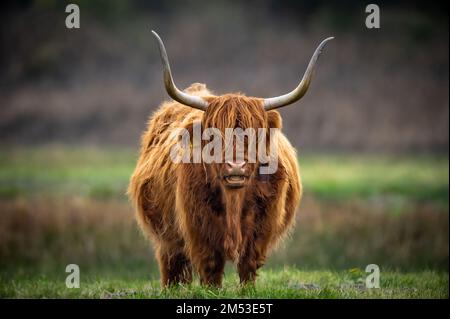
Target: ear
[(274, 119)]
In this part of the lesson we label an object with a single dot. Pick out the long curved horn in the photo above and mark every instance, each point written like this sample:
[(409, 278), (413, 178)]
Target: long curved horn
[(179, 96), (300, 90)]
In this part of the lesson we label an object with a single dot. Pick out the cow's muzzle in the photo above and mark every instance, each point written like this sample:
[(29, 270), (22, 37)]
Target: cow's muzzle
[(235, 174)]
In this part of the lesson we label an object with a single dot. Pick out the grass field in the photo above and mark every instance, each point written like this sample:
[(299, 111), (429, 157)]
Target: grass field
[(63, 205), (104, 173), (274, 283)]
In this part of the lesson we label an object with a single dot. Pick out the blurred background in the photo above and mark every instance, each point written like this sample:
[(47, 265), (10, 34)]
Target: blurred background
[(371, 133)]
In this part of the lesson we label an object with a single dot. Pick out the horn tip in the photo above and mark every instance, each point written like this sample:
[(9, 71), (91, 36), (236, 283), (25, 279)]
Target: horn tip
[(324, 42), (154, 33)]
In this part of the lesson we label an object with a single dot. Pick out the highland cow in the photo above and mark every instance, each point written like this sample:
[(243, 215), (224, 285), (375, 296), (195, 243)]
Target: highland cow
[(199, 215)]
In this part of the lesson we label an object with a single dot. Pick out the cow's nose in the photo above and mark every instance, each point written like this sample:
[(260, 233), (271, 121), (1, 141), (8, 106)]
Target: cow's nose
[(236, 167)]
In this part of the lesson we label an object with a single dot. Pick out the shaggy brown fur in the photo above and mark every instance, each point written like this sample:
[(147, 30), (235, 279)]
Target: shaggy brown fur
[(193, 220)]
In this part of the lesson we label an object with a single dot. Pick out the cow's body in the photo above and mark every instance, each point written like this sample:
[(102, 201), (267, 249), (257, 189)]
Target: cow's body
[(200, 214), (191, 220)]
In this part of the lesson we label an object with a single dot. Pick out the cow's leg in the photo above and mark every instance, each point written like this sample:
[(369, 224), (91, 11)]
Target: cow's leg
[(210, 265), (175, 267), (253, 258)]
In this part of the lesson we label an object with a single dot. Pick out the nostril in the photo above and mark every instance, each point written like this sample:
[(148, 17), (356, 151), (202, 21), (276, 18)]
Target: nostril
[(241, 164), (230, 164), (235, 165)]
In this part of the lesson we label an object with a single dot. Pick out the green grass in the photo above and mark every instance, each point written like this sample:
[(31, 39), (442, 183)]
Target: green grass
[(62, 205), (104, 173), (86, 172), (283, 283), (421, 178)]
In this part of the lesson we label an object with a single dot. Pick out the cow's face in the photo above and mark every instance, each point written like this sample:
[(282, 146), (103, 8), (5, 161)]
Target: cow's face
[(241, 115)]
